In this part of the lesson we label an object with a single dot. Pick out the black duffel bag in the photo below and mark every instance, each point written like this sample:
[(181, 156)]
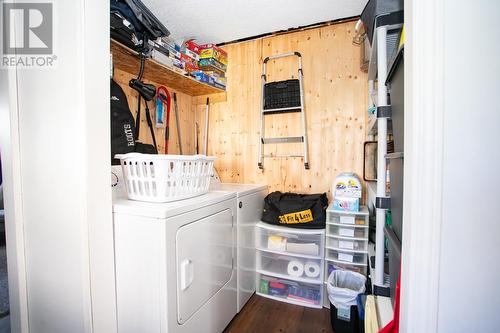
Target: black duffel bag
[(306, 211)]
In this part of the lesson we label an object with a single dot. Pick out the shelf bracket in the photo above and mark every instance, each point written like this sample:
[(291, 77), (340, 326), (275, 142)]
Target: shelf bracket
[(381, 291), (383, 202), (384, 111)]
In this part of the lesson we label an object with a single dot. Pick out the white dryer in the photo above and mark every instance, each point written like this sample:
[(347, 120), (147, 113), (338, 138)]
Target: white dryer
[(250, 205), (176, 264)]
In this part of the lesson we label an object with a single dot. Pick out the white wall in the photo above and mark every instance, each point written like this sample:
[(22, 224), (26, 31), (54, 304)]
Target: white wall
[(469, 284), (64, 168)]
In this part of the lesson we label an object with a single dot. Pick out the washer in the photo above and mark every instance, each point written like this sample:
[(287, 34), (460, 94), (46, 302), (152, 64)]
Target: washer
[(250, 205), (176, 264)]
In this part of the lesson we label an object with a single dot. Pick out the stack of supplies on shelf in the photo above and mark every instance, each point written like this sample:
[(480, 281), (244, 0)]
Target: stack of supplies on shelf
[(347, 192), (211, 65), (190, 56), (173, 58)]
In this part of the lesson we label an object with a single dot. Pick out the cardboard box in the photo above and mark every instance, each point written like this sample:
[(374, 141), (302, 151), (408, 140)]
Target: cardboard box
[(177, 63), (202, 77), (208, 51), (190, 67), (192, 46), (191, 54), (188, 60), (179, 70), (211, 64), (346, 204), (162, 58), (220, 80), (220, 86)]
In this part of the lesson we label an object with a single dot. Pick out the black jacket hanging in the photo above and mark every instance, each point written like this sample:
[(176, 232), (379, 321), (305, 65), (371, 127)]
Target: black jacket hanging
[(122, 124)]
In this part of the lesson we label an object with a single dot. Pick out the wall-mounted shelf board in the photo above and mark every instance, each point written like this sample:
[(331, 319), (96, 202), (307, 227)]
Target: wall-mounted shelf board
[(127, 60)]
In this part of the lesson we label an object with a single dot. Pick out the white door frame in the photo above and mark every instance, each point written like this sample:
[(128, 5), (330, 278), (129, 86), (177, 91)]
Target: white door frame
[(424, 88), (14, 226), (100, 312)]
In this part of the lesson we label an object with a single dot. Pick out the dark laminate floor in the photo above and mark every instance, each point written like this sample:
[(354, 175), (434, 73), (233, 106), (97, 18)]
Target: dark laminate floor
[(262, 315)]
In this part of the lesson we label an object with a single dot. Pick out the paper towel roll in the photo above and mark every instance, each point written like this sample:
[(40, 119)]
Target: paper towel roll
[(295, 268), (312, 269)]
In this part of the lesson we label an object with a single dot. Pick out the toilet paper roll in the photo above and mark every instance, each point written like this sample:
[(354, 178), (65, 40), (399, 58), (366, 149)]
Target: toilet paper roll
[(295, 268), (312, 269)]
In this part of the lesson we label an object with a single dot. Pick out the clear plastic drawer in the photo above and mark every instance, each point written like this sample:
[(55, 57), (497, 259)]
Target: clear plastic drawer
[(346, 256), (360, 232), (332, 266), (305, 294), (349, 219), (291, 267), (283, 240), (347, 243)]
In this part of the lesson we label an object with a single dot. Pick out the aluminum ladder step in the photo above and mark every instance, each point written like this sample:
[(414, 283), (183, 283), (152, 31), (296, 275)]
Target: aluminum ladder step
[(285, 139), (284, 155), (292, 109)]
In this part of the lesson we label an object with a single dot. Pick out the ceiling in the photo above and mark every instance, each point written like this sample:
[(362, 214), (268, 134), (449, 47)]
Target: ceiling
[(219, 21)]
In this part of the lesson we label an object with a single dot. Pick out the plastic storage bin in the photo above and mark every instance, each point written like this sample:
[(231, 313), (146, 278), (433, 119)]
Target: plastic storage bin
[(164, 178), (347, 243), (299, 293), (290, 267), (360, 232), (346, 256), (283, 240)]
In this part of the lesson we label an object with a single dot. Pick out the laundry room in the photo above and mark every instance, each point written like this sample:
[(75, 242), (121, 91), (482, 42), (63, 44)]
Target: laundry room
[(276, 113), (248, 166)]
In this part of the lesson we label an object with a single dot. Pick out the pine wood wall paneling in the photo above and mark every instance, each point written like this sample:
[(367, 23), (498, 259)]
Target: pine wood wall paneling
[(186, 116), (336, 101)]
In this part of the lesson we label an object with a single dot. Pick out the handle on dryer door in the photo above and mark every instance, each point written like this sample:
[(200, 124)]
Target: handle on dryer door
[(187, 273)]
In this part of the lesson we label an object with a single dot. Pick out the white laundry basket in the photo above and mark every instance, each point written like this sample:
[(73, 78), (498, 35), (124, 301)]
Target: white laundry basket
[(164, 178)]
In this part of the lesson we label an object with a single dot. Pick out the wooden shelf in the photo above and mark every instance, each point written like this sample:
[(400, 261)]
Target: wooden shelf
[(128, 61)]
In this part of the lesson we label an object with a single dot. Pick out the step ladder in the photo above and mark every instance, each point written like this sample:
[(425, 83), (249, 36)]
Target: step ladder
[(278, 98)]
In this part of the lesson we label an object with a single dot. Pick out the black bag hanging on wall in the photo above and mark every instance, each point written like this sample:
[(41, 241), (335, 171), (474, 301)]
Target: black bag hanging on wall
[(122, 124), (306, 211)]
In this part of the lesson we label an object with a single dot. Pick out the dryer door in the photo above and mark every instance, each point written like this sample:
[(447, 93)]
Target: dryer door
[(204, 251)]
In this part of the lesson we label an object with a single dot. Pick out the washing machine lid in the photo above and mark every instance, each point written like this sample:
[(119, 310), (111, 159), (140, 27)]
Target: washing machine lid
[(165, 210), (242, 189)]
